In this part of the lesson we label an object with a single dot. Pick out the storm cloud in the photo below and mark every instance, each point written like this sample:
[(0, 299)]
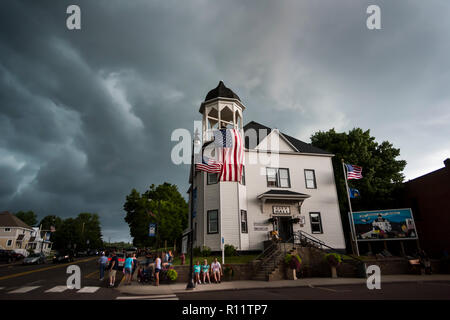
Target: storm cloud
[(87, 115)]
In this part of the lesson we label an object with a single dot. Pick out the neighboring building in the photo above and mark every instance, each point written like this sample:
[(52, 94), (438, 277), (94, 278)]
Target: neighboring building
[(428, 197), (40, 241), (298, 192), (14, 233)]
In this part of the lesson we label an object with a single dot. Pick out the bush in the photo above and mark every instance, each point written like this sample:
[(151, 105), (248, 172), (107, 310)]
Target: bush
[(197, 252), (206, 251), (293, 261), (230, 250), (333, 259), (172, 274)]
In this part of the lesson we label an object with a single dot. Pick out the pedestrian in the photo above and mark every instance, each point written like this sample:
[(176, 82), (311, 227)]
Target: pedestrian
[(182, 258), (205, 270), (157, 269), (102, 262), (128, 267), (216, 270), (165, 259), (197, 273), (425, 261), (135, 265), (170, 257), (113, 267)]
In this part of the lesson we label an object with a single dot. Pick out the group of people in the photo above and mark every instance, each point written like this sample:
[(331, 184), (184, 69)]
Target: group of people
[(129, 267), (154, 263), (206, 272)]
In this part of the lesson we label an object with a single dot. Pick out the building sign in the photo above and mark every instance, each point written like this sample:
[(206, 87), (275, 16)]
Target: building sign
[(152, 230), (260, 226), (281, 210), (393, 224)]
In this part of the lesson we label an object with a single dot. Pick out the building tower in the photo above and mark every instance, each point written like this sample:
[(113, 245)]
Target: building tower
[(220, 206)]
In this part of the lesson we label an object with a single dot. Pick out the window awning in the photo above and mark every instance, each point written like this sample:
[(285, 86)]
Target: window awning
[(283, 195)]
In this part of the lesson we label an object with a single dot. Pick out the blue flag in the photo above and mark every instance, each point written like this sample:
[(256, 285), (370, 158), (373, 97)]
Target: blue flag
[(354, 193)]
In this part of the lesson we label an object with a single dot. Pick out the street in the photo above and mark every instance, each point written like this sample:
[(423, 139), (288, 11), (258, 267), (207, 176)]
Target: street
[(48, 282), (389, 291)]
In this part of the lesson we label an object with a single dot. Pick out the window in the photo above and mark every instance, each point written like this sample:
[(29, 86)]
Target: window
[(243, 176), (244, 228), (7, 229), (212, 178), (213, 221), (9, 243), (19, 244), (316, 222), (310, 179), (278, 178)]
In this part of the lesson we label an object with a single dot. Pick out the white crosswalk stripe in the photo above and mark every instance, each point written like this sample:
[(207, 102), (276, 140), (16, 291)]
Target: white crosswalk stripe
[(1, 288), (57, 289), (150, 297), (88, 290), (24, 289)]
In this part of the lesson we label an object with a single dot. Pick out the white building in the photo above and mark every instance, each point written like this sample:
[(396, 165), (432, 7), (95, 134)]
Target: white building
[(40, 241), (294, 191)]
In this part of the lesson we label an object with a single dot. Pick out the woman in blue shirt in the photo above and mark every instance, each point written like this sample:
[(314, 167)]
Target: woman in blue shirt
[(197, 272), (205, 270), (128, 268)]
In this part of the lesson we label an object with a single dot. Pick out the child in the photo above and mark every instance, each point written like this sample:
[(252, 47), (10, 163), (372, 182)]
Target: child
[(197, 272), (205, 270)]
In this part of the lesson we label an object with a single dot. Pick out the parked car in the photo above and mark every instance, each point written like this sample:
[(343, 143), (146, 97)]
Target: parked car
[(7, 256), (93, 252), (35, 258), (83, 253), (63, 256), (120, 257)]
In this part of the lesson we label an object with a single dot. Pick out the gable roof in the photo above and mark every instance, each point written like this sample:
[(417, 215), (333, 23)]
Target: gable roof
[(9, 220), (301, 146)]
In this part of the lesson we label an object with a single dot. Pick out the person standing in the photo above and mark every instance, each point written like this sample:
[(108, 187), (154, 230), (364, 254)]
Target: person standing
[(102, 262), (128, 268), (157, 269), (216, 270), (113, 267), (135, 264)]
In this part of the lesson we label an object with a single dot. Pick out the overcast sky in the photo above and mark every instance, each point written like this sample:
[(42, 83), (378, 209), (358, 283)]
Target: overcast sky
[(87, 115)]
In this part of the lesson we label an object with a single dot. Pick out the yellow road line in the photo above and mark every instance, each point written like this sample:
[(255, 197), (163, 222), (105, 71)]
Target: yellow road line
[(91, 274), (43, 269)]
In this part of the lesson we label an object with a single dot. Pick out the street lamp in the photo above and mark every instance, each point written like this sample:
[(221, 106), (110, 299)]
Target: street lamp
[(195, 143)]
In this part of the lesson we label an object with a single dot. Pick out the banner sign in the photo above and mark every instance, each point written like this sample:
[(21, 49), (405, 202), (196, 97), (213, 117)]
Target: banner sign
[(281, 210), (392, 224), (152, 230)]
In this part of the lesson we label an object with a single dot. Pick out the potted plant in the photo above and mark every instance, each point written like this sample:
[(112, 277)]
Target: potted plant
[(172, 275), (333, 260), (293, 263), (228, 272), (295, 220)]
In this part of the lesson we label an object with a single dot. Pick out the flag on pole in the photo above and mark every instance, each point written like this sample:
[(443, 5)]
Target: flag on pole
[(353, 172), (230, 141), (354, 193), (209, 165)]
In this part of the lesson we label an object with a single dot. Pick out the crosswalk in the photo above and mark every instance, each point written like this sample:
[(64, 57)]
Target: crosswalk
[(56, 289), (150, 297)]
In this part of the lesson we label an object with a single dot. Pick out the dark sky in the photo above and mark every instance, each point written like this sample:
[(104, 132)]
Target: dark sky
[(87, 115)]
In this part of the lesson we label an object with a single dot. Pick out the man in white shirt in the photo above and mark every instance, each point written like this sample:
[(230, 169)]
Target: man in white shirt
[(216, 269)]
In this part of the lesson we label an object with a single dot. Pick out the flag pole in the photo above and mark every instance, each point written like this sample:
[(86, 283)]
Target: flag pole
[(354, 241)]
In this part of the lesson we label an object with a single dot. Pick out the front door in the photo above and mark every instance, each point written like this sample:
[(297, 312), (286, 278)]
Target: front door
[(284, 228)]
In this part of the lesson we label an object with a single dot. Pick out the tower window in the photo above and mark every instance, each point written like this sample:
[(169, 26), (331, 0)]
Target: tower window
[(213, 221), (213, 178), (244, 228)]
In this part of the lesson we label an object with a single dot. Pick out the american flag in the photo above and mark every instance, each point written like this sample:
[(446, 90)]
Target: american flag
[(353, 172), (209, 165), (230, 141)]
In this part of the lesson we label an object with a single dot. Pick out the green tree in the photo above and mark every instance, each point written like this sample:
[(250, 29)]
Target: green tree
[(29, 217), (162, 205), (51, 221), (67, 235), (382, 172)]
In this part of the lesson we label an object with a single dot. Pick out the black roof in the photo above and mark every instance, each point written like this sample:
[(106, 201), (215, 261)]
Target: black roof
[(221, 91), (284, 192), (301, 146)]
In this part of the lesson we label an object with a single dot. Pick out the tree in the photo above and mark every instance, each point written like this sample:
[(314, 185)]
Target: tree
[(29, 217), (162, 205), (382, 172), (51, 221)]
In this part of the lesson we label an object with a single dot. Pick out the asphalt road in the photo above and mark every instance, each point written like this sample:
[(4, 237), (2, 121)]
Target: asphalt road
[(48, 282), (389, 291)]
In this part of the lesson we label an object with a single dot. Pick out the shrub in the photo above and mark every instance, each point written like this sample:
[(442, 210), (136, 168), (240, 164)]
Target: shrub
[(293, 261), (197, 252), (228, 270), (206, 251), (230, 250), (172, 274), (333, 259)]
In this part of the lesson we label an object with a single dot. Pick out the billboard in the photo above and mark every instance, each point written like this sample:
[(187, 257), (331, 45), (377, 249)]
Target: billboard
[(392, 224)]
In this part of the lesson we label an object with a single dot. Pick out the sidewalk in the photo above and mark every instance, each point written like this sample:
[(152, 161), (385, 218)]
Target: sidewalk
[(167, 289)]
